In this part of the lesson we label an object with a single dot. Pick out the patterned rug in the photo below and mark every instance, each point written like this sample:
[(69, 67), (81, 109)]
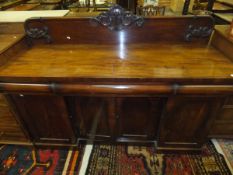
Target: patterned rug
[(225, 147), (23, 160), (132, 160)]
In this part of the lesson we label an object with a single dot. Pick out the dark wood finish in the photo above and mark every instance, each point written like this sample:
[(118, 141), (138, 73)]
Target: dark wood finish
[(186, 121), (205, 89), (91, 117), (26, 88), (44, 124), (161, 29), (92, 89), (11, 131), (138, 118), (112, 17), (122, 65), (113, 89), (115, 85)]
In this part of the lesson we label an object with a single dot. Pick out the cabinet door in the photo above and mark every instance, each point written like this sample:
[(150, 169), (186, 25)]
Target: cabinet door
[(223, 125), (138, 117), (45, 117), (187, 121), (91, 117)]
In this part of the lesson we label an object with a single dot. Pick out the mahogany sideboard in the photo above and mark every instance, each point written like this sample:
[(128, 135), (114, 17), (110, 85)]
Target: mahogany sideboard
[(119, 78)]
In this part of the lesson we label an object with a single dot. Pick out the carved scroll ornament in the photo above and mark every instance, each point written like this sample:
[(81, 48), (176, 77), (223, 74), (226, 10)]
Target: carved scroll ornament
[(39, 32), (117, 18), (197, 32)]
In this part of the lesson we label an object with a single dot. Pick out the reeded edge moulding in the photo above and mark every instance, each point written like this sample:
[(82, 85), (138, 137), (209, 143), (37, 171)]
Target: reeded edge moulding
[(117, 19)]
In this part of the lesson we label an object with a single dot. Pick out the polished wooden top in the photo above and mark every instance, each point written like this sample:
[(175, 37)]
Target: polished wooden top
[(139, 61), (80, 51)]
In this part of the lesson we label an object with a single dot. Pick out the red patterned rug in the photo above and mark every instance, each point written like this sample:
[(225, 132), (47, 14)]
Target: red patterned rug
[(23, 160), (132, 160)]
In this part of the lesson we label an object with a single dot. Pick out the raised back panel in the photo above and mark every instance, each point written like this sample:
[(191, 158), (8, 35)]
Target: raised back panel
[(158, 29)]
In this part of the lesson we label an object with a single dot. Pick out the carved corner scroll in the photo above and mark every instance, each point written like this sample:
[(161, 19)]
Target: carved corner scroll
[(197, 32), (40, 31), (117, 18)]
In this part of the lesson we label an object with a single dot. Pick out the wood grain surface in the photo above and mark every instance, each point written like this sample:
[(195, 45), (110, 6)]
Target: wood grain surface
[(6, 40), (155, 29), (120, 61)]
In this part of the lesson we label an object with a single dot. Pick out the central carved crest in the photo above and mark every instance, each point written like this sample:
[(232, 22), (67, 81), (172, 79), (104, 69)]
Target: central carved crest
[(117, 18)]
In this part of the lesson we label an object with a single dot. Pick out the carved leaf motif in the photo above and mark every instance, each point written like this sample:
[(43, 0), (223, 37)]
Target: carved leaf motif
[(117, 18), (197, 32), (41, 32)]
